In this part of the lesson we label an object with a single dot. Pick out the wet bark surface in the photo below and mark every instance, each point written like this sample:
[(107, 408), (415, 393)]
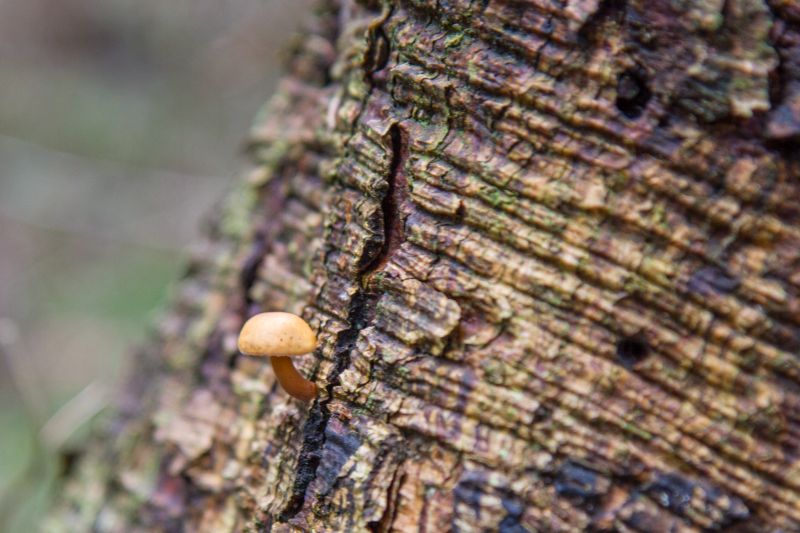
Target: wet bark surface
[(552, 254)]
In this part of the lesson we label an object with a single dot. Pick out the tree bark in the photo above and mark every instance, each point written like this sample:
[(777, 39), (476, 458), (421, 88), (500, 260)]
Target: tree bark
[(551, 251)]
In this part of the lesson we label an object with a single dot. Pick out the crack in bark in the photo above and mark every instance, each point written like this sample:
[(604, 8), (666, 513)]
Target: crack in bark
[(360, 313), (391, 206), (362, 304)]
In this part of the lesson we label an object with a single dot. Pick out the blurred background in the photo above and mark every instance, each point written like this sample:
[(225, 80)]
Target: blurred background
[(121, 123)]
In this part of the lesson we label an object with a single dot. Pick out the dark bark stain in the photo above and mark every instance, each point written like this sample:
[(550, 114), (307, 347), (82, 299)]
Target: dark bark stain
[(609, 498), (675, 493), (514, 511), (340, 445), (469, 491), (712, 279), (671, 491), (580, 484)]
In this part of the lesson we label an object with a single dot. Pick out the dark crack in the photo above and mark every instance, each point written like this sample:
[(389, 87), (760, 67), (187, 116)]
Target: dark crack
[(359, 315)]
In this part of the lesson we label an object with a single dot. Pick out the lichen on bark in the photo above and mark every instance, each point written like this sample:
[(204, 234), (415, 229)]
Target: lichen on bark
[(552, 255)]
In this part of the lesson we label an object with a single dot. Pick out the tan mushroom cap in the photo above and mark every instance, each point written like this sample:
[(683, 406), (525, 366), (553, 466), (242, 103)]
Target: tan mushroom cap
[(276, 334)]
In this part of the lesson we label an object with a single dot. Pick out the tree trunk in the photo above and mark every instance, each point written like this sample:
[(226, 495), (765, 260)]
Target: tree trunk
[(552, 254)]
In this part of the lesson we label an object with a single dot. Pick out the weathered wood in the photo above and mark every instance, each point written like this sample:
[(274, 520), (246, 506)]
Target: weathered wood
[(552, 254)]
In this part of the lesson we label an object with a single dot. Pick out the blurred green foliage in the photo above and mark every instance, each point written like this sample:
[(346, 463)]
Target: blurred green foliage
[(120, 123)]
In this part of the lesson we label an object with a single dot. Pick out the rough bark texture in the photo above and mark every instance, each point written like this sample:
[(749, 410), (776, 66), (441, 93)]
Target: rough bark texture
[(552, 253)]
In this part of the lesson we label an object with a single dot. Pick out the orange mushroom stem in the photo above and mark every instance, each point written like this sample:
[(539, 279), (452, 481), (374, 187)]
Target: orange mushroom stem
[(291, 380), (281, 336)]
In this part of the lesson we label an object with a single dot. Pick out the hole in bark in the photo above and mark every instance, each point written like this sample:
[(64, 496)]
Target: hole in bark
[(632, 94), (632, 349)]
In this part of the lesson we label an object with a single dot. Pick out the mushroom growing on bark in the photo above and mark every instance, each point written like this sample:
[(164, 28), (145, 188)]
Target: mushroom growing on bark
[(281, 336)]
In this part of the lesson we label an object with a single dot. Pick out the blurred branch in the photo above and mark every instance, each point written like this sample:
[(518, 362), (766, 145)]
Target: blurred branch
[(73, 414)]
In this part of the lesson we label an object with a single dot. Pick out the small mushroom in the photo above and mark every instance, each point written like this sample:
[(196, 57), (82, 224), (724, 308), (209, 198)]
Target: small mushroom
[(281, 336)]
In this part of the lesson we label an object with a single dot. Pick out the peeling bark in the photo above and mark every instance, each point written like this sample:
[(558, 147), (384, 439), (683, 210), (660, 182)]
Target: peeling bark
[(552, 254)]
